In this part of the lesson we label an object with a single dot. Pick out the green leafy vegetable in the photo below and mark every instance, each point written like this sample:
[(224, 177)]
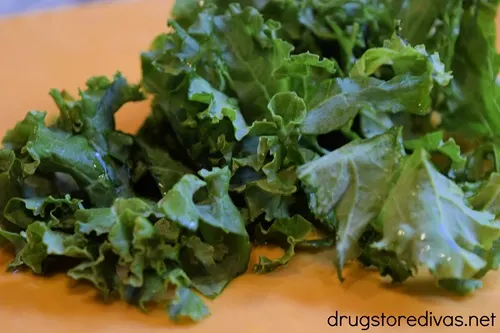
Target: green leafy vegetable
[(487, 198), (433, 142), (367, 127), (435, 227), (347, 187), (472, 103), (290, 231)]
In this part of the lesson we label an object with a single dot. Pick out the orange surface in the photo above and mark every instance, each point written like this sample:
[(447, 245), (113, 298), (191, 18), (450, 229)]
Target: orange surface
[(61, 49)]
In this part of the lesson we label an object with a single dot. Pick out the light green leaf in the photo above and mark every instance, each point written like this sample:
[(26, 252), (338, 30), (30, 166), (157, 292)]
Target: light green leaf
[(178, 204), (41, 242), (434, 142), (488, 197), (187, 304), (219, 105), (426, 221), (54, 211), (286, 232), (350, 184), (337, 101)]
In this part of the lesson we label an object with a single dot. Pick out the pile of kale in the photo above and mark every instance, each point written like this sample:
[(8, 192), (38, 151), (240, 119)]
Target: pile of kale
[(367, 126)]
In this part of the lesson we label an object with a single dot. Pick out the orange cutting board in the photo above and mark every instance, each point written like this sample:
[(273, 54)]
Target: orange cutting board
[(61, 49)]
